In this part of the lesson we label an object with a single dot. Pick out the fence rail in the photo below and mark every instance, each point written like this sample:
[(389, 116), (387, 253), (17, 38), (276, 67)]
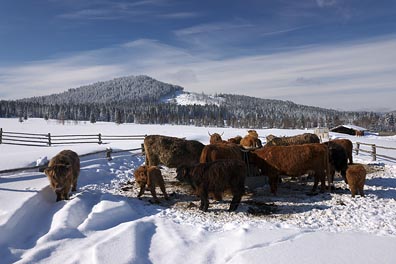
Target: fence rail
[(107, 152), (44, 140), (373, 150)]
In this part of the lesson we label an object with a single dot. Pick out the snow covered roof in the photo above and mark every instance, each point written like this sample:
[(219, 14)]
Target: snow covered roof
[(352, 127)]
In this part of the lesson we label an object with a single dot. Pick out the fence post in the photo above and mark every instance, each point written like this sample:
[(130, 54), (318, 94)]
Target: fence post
[(49, 139), (357, 148), (108, 153), (1, 135), (142, 146), (100, 139), (374, 152)]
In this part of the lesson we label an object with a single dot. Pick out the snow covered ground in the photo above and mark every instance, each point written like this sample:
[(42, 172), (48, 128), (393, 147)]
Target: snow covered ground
[(101, 223)]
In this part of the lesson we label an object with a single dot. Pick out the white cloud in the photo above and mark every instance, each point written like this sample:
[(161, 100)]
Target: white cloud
[(345, 76)]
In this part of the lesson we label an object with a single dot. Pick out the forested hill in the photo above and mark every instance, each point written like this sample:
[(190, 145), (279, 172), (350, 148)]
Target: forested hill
[(120, 90), (144, 100)]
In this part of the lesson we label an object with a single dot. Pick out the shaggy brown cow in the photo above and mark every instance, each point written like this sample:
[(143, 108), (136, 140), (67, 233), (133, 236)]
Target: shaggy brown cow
[(356, 177), (295, 161), (151, 177), (63, 171), (251, 140), (347, 145), (216, 176), (217, 151), (216, 138), (171, 151), (235, 140), (305, 138)]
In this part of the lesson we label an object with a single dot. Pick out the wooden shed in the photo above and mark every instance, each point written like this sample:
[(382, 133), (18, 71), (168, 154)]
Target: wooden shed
[(349, 129)]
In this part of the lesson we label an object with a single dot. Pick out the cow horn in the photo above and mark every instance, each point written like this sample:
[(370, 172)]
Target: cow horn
[(209, 134), (222, 133)]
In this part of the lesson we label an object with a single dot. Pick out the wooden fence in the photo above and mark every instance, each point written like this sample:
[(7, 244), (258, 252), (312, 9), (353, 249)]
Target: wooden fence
[(373, 150), (45, 140), (108, 152)]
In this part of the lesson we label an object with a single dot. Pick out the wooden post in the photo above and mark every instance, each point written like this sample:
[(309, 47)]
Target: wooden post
[(49, 139), (374, 152), (100, 139), (142, 146), (1, 135), (357, 148)]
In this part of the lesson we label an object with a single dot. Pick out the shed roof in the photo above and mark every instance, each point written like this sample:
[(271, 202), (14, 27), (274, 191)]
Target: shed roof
[(358, 128)]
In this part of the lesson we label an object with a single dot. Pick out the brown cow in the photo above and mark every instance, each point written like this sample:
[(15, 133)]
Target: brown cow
[(295, 161), (251, 140), (305, 138), (217, 151), (356, 176), (235, 140), (63, 171), (216, 176), (216, 138), (347, 145), (171, 151), (151, 177)]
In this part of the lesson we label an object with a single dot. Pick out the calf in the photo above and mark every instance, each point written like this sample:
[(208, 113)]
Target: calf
[(356, 177), (215, 176), (63, 171), (151, 177)]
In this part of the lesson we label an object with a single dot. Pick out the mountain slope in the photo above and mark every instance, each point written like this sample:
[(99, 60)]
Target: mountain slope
[(124, 89)]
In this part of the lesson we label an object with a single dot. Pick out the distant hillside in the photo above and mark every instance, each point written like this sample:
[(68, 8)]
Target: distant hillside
[(124, 89), (142, 99)]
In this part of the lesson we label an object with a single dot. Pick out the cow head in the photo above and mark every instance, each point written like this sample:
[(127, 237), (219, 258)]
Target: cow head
[(215, 138), (141, 175), (58, 174)]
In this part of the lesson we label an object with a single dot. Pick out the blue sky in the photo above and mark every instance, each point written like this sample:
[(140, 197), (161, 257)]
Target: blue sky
[(338, 54)]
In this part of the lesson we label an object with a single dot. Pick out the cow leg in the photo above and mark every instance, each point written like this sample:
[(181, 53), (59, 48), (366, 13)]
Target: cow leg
[(153, 193), (316, 182), (236, 199), (58, 197), (74, 186), (204, 201), (353, 191), (273, 182), (163, 190), (141, 191)]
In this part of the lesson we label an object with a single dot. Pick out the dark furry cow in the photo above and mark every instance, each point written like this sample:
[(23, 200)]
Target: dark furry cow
[(171, 151), (151, 177), (63, 171), (217, 151), (338, 159), (216, 176), (347, 145), (295, 161), (305, 138)]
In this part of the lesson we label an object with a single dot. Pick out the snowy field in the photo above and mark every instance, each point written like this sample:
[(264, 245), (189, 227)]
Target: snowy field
[(101, 223)]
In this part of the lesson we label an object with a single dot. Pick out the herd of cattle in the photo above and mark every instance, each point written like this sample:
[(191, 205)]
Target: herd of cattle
[(223, 164)]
